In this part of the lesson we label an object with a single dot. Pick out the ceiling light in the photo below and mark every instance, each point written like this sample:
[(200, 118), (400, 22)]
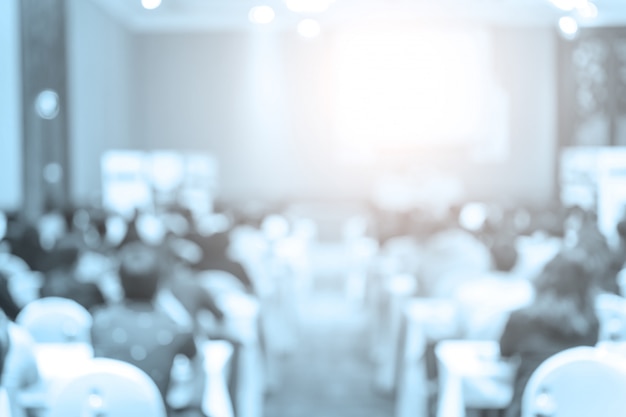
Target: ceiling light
[(568, 5), (588, 11), (568, 26), (150, 4), (309, 28), (308, 6), (261, 15)]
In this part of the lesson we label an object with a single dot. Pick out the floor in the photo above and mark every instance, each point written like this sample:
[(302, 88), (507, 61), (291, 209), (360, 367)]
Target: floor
[(328, 372)]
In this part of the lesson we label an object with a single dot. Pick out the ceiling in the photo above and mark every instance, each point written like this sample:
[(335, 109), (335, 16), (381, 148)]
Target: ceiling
[(211, 15)]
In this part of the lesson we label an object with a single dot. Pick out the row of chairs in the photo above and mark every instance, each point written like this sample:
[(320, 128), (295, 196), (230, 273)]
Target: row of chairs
[(61, 330)]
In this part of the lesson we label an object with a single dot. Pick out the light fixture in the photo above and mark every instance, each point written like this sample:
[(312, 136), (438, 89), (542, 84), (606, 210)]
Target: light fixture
[(568, 26), (308, 6), (261, 15), (588, 10), (150, 4), (309, 28), (47, 104), (585, 8), (568, 5)]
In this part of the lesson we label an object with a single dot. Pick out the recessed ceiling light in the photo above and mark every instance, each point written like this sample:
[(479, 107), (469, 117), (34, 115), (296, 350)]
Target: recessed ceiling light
[(261, 15), (568, 26), (588, 11), (150, 4), (308, 6)]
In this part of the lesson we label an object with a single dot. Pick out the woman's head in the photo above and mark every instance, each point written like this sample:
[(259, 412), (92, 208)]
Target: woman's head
[(565, 276)]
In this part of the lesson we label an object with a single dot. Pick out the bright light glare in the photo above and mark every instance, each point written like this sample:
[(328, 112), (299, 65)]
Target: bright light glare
[(403, 86), (473, 216), (569, 5), (261, 15), (588, 11), (308, 6), (568, 25), (309, 28), (150, 4)]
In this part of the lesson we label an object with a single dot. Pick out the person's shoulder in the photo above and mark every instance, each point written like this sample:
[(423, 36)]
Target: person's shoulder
[(522, 317)]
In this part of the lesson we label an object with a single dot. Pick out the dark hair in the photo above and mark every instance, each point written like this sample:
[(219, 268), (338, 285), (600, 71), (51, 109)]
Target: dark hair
[(564, 295), (139, 271), (7, 304), (504, 256), (565, 276)]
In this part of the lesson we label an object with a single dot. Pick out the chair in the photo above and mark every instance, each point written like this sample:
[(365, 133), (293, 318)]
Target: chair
[(56, 320), (107, 388), (611, 311), (5, 404), (577, 382)]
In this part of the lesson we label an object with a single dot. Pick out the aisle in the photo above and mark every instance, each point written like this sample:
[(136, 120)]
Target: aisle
[(329, 373)]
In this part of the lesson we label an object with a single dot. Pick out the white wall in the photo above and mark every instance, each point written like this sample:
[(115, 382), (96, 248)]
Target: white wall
[(218, 92), (100, 93), (10, 107), (210, 91), (261, 104)]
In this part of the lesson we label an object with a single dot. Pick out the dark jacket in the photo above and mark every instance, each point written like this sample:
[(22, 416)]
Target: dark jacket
[(534, 338)]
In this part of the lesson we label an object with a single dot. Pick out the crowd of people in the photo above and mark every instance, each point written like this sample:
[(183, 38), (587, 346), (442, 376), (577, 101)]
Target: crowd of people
[(133, 275)]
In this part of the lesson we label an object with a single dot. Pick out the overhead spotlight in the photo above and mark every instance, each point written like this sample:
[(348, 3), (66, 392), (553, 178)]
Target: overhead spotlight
[(308, 6), (568, 26), (261, 15), (588, 10), (568, 5), (150, 4), (309, 28)]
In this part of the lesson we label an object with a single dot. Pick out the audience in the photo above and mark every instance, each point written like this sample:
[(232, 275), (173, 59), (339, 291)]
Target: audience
[(62, 280), (140, 327), (136, 331), (562, 316)]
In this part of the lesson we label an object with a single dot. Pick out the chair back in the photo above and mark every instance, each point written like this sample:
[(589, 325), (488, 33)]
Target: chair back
[(5, 404), (56, 320), (577, 382), (611, 311), (107, 388)]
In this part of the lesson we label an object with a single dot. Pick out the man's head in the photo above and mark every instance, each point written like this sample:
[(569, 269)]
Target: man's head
[(139, 271)]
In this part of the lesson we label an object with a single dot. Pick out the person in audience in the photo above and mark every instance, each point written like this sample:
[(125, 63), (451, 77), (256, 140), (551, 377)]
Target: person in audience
[(18, 365), (23, 240), (451, 258), (504, 255), (62, 281), (18, 288), (562, 316), (136, 331), (215, 257)]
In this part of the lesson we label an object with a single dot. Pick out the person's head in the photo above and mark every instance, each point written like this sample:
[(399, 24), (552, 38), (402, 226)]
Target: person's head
[(564, 300), (504, 256), (565, 277), (139, 271), (18, 287)]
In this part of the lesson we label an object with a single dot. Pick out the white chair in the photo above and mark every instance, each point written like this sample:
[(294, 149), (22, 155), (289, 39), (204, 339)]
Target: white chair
[(56, 320), (107, 388), (611, 311), (398, 289), (486, 301), (578, 382), (5, 404)]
